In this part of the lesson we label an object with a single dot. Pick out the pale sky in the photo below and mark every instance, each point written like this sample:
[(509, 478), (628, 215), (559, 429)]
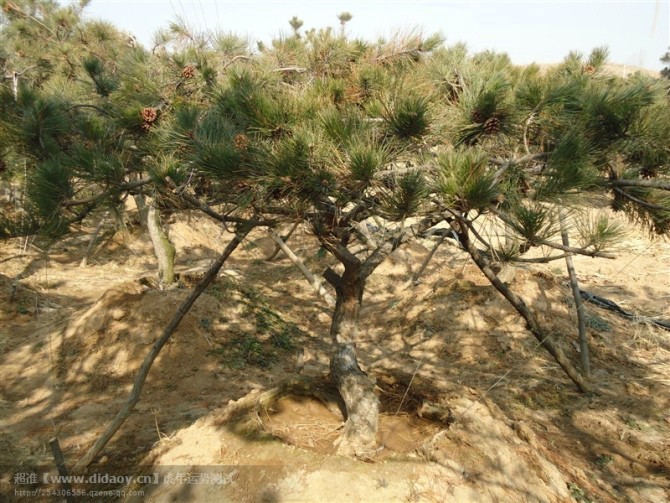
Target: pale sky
[(636, 32)]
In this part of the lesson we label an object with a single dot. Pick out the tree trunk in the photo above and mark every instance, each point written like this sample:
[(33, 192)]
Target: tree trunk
[(142, 209), (359, 436), (163, 248)]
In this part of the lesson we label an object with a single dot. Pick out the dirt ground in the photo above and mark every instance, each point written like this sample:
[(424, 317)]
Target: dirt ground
[(472, 408)]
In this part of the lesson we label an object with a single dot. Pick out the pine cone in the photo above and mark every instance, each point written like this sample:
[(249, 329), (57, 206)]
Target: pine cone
[(492, 125), (589, 69), (241, 141), (477, 116), (188, 72), (149, 116), (648, 172)]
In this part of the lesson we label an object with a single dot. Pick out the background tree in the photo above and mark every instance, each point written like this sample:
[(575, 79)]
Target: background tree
[(296, 24), (344, 18), (79, 123)]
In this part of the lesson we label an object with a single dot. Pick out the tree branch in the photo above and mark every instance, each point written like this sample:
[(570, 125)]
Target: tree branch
[(340, 252), (520, 306), (569, 249), (118, 187), (573, 250), (236, 58), (641, 202), (652, 184), (285, 239), (84, 105), (208, 210), (311, 278), (185, 306)]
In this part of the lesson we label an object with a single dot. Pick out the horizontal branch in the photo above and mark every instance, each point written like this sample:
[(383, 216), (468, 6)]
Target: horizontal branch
[(573, 250), (518, 160), (85, 105), (504, 163), (652, 184), (15, 74), (117, 187), (641, 202), (226, 219), (296, 69), (539, 241), (239, 57)]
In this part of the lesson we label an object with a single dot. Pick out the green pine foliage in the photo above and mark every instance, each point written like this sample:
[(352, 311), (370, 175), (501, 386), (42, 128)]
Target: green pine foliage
[(466, 183), (317, 120)]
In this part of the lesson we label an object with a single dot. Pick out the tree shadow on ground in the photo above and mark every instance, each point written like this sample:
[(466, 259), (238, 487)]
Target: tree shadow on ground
[(453, 335)]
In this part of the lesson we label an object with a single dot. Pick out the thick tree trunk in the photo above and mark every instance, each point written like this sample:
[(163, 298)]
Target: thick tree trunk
[(359, 437)]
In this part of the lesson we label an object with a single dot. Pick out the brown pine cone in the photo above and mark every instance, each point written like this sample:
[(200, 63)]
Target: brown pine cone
[(188, 72), (477, 116), (149, 115), (241, 141), (492, 125)]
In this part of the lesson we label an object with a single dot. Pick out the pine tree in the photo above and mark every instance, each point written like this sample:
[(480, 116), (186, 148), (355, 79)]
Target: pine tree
[(78, 121), (370, 144), (326, 146)]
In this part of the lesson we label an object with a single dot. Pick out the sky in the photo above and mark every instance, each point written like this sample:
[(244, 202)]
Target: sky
[(636, 32)]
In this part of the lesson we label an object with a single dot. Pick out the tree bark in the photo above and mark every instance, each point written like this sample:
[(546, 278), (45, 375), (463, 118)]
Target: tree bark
[(163, 248), (136, 392), (359, 437)]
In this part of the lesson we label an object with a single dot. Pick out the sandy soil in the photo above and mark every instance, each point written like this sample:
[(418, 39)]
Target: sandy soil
[(72, 339)]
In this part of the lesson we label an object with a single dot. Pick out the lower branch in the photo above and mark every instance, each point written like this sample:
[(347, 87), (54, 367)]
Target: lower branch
[(531, 322), (417, 275), (285, 239), (311, 278), (134, 397), (581, 318)]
